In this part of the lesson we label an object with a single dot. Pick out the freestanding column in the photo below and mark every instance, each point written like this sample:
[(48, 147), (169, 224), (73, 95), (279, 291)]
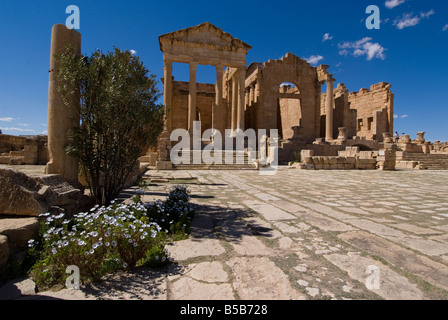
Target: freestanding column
[(242, 97), (218, 102), (61, 118), (329, 110), (234, 103), (192, 96), (167, 91), (164, 143)]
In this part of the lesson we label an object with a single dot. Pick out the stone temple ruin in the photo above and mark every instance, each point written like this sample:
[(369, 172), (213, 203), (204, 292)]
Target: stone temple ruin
[(332, 130), (336, 129)]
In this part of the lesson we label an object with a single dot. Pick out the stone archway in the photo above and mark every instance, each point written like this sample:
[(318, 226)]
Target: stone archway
[(289, 113)]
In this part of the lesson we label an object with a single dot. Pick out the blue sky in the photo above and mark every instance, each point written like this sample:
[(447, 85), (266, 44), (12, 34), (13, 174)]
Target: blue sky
[(410, 50)]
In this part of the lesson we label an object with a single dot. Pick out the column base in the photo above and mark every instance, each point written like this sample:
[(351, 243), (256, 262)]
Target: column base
[(164, 165)]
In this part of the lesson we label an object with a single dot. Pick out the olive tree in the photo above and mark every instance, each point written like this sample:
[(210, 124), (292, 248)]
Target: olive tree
[(119, 116)]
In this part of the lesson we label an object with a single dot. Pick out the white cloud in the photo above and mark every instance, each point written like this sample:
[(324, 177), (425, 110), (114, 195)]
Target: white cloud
[(406, 21), (363, 47), (23, 124), (326, 37), (393, 3), (427, 14), (314, 59), (395, 116), (44, 124), (410, 20), (45, 132), (445, 27), (6, 119), (133, 52), (16, 129), (404, 116)]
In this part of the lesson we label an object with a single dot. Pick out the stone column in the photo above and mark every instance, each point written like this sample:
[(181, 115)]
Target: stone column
[(234, 103), (421, 137), (257, 90), (192, 96), (252, 94), (242, 97), (342, 134), (167, 91), (61, 118), (218, 99), (164, 144), (329, 110)]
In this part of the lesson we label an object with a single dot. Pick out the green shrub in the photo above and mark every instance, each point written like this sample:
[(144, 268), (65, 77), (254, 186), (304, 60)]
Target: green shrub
[(175, 214), (107, 239), (98, 242)]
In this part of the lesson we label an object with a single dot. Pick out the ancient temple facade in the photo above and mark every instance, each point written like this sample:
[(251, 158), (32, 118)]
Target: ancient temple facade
[(283, 94)]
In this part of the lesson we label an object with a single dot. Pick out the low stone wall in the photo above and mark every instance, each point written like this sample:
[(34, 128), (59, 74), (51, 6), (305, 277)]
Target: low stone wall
[(339, 163), (16, 150), (349, 159)]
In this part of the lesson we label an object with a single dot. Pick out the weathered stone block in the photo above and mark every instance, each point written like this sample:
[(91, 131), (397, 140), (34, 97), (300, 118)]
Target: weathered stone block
[(306, 153), (308, 160), (19, 231), (22, 195), (4, 250)]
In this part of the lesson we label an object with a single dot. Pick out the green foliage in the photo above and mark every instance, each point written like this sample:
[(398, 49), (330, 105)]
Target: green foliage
[(175, 214), (119, 116), (107, 239)]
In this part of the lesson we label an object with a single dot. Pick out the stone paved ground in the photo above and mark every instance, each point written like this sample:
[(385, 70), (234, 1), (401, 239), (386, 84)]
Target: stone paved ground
[(299, 235)]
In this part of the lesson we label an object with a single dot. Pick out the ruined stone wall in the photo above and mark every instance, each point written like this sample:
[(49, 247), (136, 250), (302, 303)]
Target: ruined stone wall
[(204, 99), (15, 150), (290, 114), (11, 143), (300, 73), (374, 110)]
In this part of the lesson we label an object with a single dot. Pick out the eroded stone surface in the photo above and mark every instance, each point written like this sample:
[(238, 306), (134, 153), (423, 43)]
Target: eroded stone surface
[(192, 248), (209, 272), (260, 279), (392, 286), (190, 289)]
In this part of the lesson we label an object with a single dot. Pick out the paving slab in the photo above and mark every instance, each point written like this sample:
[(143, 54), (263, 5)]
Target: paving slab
[(258, 278), (421, 266), (391, 285)]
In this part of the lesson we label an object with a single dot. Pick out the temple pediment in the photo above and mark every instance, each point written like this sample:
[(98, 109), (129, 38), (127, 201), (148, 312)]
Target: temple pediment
[(203, 35)]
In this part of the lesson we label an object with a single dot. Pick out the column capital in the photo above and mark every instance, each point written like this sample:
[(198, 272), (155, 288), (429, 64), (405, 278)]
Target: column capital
[(167, 62), (220, 67), (193, 65), (330, 79)]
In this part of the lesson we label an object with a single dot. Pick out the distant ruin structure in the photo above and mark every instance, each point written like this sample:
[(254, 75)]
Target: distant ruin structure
[(283, 94)]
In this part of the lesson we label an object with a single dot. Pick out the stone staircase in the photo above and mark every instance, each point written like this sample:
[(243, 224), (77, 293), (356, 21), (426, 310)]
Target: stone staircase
[(427, 161), (234, 161)]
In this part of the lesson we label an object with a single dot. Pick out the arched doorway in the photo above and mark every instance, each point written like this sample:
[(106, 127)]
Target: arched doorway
[(289, 109)]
